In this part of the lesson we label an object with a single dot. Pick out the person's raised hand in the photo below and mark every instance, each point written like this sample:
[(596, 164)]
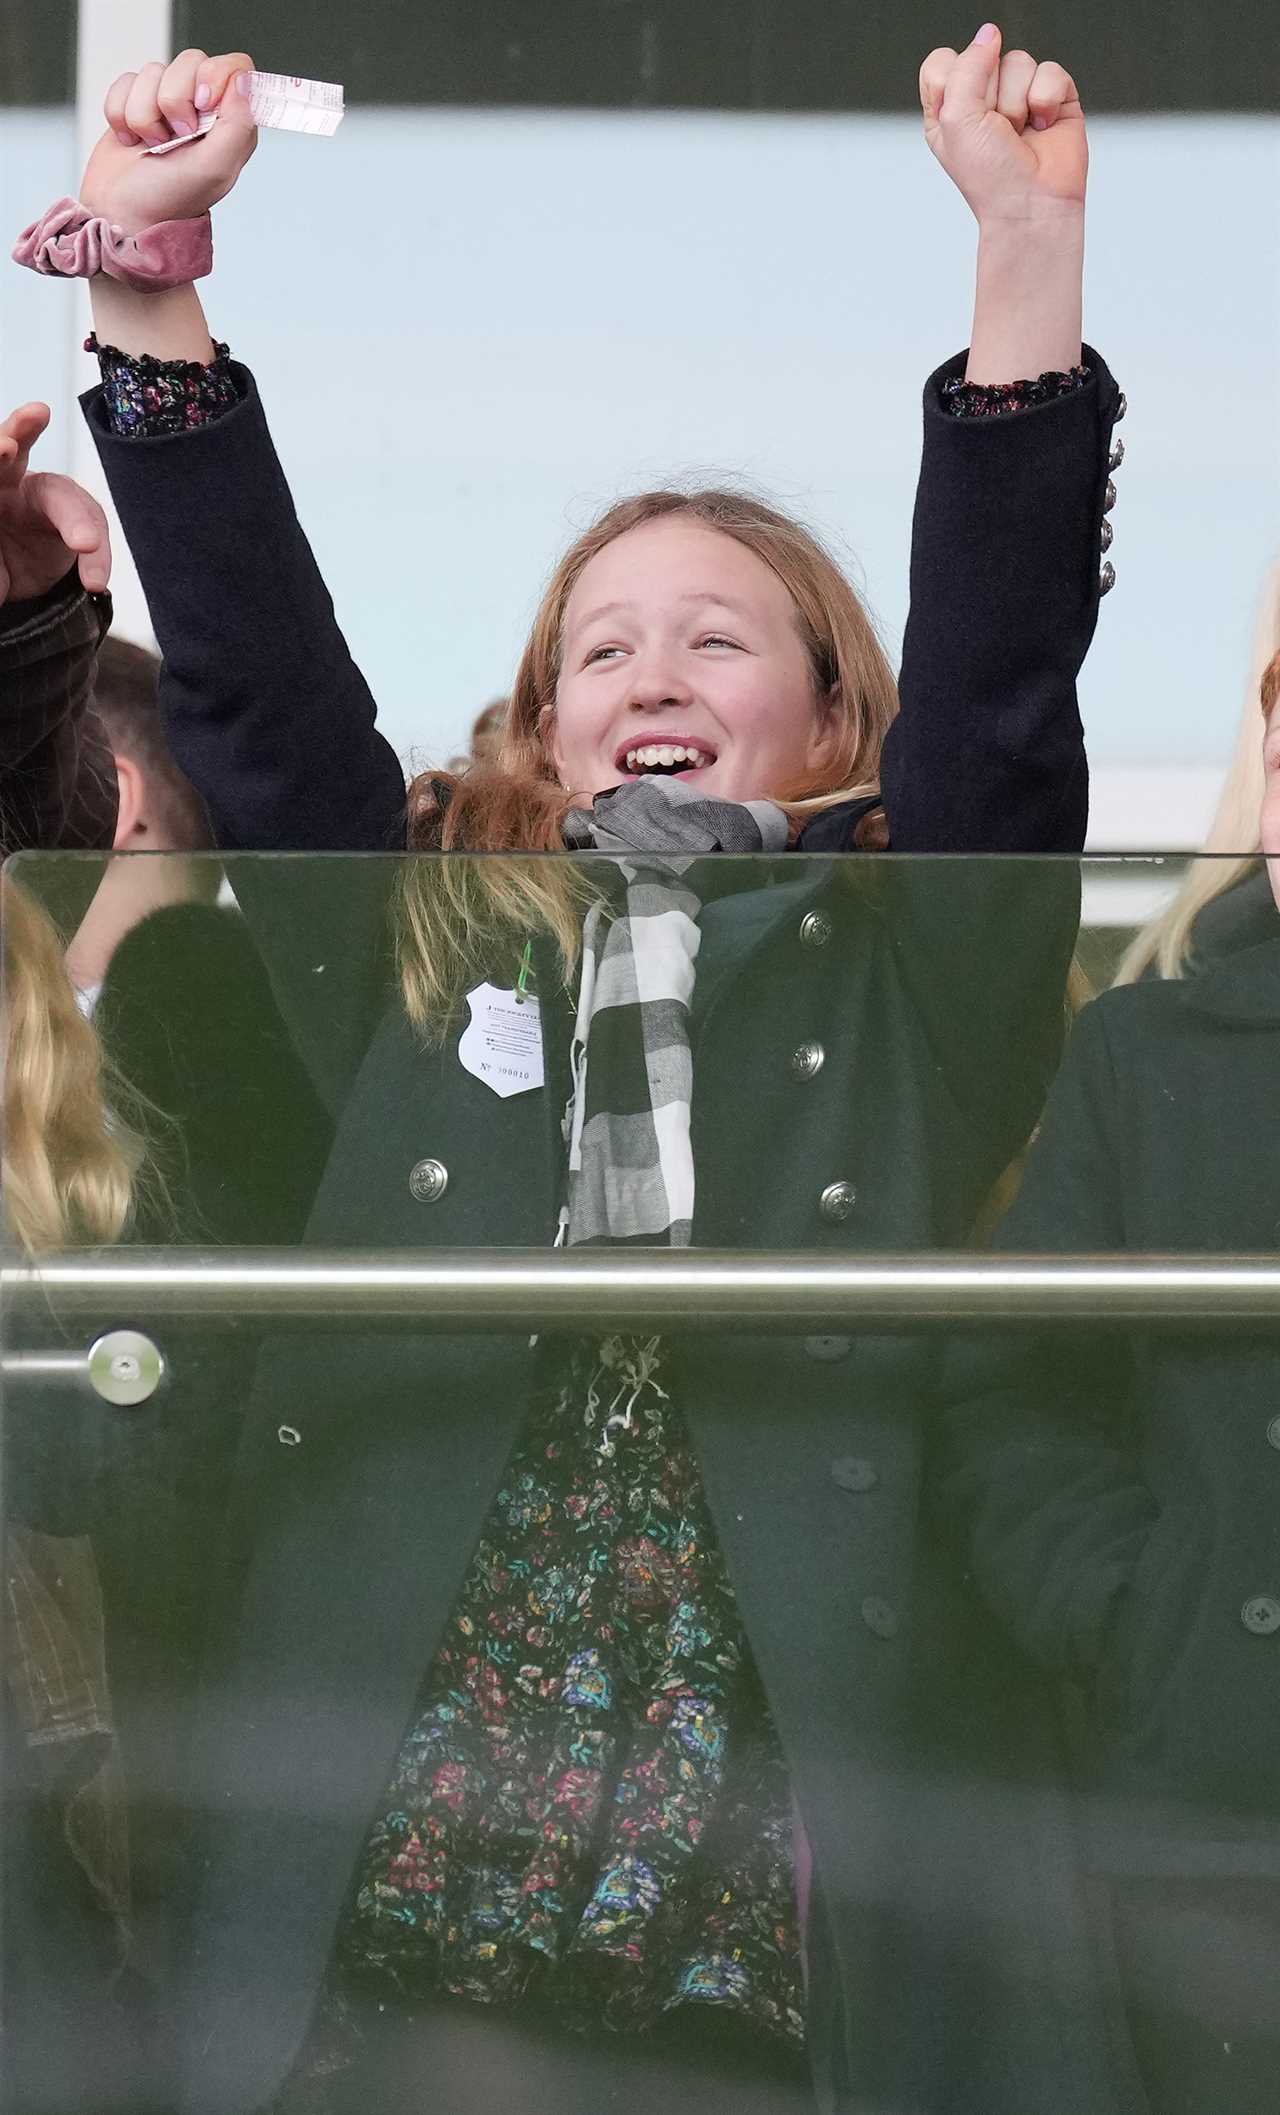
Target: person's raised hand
[(1008, 130), (47, 523), (134, 189)]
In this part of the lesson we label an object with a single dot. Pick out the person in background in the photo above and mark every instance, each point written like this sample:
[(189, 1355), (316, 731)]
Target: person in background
[(1224, 900), (1116, 1496), (57, 784), (70, 1167), (186, 1005), (487, 731), (108, 1521), (158, 810)]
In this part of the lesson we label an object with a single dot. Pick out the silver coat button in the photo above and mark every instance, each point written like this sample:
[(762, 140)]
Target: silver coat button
[(1109, 496), (807, 1060), (880, 1616), (125, 1368), (837, 1201), (1261, 1615), (815, 929), (428, 1181), (827, 1350), (1116, 456), (1121, 407), (1106, 578), (1108, 536), (1273, 1432), (853, 1473)]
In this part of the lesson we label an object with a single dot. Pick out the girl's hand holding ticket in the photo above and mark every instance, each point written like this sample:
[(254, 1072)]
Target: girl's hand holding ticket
[(134, 189)]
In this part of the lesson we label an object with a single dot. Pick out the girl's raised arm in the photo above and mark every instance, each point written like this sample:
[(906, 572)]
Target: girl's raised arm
[(1007, 562), (1007, 569), (265, 709)]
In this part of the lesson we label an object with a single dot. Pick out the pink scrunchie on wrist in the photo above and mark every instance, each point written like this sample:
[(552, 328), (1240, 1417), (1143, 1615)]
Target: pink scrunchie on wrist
[(74, 243)]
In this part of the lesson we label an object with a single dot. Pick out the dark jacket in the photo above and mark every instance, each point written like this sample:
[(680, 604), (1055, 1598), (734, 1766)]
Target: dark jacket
[(1118, 1493), (57, 776), (1240, 917), (187, 1016), (369, 1461)]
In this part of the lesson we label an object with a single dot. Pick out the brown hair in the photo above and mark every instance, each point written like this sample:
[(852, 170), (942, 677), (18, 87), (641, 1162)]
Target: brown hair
[(516, 803), (126, 702)]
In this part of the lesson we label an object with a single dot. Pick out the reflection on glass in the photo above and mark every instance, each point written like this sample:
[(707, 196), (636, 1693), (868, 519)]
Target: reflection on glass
[(645, 1716)]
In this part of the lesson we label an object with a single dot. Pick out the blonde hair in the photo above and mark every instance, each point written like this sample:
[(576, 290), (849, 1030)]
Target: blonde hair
[(1167, 943), (451, 912), (67, 1163)]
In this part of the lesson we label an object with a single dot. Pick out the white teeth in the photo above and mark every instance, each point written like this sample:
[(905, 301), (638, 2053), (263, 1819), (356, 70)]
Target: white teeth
[(663, 755)]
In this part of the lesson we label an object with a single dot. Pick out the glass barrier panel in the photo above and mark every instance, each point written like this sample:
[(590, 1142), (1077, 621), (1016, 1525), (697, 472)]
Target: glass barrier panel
[(465, 1646)]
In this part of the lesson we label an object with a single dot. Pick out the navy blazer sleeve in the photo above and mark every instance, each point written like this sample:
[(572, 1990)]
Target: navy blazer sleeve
[(267, 713), (987, 754), (265, 709)]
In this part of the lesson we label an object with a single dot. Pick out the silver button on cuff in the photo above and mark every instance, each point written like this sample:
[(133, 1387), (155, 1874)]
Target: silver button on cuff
[(1116, 456), (1121, 407), (1261, 1615), (1109, 496), (1106, 578), (807, 1061), (815, 929), (428, 1181), (837, 1201), (1107, 536), (1273, 1432)]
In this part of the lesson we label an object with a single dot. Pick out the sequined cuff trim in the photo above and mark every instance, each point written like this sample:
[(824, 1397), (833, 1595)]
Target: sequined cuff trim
[(994, 400), (146, 397)]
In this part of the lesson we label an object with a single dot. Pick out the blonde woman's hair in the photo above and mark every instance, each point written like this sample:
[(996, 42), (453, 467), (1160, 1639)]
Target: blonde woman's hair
[(1167, 943), (453, 911), (67, 1164)]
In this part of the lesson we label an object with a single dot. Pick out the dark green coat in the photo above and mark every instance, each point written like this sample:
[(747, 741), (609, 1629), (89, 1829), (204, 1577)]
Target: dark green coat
[(1119, 1494)]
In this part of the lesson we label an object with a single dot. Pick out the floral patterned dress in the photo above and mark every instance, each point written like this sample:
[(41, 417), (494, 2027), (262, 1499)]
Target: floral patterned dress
[(590, 1802)]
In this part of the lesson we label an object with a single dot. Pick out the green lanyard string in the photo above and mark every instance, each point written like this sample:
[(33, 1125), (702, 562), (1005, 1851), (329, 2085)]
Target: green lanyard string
[(525, 987)]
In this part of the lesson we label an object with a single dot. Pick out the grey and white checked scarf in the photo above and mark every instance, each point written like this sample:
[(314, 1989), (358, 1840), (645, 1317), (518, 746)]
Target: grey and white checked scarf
[(627, 1125)]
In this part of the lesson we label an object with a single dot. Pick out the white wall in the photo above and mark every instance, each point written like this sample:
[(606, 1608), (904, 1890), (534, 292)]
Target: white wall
[(474, 328)]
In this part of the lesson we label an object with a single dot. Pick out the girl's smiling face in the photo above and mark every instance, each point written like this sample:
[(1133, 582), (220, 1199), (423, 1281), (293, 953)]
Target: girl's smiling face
[(682, 653)]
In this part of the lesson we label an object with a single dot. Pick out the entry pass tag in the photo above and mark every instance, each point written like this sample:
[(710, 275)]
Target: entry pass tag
[(502, 1042), (282, 102)]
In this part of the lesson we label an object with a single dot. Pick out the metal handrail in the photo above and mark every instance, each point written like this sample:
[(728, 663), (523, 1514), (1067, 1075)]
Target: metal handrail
[(638, 1289)]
